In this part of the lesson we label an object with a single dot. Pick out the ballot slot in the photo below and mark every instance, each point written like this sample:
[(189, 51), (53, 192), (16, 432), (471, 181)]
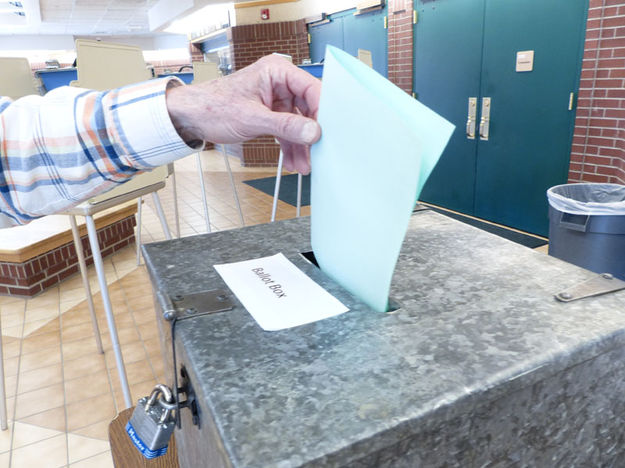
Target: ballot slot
[(393, 305)]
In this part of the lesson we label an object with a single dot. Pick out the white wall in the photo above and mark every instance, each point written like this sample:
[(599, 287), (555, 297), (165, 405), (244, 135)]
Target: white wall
[(292, 11), (66, 42), (36, 42)]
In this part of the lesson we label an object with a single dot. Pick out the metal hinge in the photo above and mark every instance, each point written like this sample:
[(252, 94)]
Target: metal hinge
[(415, 17), (600, 284), (309, 38), (192, 305), (386, 22)]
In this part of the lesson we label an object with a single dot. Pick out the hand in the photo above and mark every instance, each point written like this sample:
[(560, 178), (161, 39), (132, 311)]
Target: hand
[(269, 97)]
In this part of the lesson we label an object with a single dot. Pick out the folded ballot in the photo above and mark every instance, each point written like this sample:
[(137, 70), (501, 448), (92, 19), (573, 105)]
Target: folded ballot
[(377, 149)]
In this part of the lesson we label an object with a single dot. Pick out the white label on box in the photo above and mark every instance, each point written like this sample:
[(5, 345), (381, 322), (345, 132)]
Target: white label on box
[(277, 293)]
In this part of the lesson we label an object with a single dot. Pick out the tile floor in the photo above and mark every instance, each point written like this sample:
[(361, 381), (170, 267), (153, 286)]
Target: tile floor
[(61, 393)]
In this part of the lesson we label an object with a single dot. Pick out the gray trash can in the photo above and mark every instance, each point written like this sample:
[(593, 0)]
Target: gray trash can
[(587, 226)]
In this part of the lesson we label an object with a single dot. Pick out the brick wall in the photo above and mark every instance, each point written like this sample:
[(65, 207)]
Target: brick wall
[(598, 151), (400, 43), (31, 277), (248, 44)]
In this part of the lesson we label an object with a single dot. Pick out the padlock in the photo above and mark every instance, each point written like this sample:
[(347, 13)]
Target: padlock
[(152, 423)]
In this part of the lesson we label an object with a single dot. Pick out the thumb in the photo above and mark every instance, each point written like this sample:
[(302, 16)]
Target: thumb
[(291, 127)]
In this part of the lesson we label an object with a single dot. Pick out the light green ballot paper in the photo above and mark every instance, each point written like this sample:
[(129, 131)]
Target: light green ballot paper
[(377, 149)]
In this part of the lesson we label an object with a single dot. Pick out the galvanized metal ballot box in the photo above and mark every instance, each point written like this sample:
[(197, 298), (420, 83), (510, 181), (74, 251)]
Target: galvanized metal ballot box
[(480, 365)]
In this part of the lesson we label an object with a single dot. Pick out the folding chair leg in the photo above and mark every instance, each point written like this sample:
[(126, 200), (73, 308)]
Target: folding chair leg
[(204, 201), (85, 281), (3, 400), (138, 236), (276, 190), (173, 186), (234, 187), (108, 309), (298, 208), (161, 215)]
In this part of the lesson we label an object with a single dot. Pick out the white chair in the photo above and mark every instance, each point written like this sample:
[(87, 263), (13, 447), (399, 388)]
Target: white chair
[(104, 66), (16, 78), (206, 71)]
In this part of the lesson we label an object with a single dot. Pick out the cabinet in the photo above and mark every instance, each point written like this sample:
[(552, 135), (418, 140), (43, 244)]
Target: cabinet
[(466, 54)]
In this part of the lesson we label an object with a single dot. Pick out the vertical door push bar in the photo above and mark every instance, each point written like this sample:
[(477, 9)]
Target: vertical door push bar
[(485, 120), (471, 118)]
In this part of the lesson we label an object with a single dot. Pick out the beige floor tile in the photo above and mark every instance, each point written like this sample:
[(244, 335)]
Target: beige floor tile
[(127, 335), (49, 453), (41, 313), (80, 447), (11, 347), (77, 332), (83, 366), (36, 360), (11, 365), (36, 343), (51, 419), (14, 331), (100, 408), (39, 378), (78, 314), (87, 387), (131, 352), (144, 315), (43, 399), (5, 438), (39, 327), (26, 434), (5, 459), (103, 460), (79, 348), (97, 430), (139, 371), (12, 318), (12, 303), (148, 330), (10, 385), (153, 346)]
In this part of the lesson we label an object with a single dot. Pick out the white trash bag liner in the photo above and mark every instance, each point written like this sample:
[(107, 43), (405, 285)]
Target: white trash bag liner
[(588, 199)]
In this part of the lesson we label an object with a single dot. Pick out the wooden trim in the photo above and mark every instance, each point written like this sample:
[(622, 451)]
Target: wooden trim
[(62, 238), (261, 3)]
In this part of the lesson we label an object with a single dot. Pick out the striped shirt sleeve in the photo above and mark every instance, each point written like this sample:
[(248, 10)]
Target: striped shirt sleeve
[(60, 149)]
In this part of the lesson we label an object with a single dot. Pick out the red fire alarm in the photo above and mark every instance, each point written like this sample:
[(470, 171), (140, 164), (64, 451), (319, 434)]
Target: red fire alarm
[(264, 14)]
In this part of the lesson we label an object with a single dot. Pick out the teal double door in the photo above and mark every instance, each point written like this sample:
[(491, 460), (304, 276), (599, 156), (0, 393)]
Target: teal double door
[(513, 128), (351, 32)]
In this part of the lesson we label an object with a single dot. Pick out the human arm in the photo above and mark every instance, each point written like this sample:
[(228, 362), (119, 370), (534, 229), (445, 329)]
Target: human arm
[(60, 149)]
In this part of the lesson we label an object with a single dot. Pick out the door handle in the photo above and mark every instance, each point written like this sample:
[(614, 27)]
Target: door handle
[(485, 120), (471, 117)]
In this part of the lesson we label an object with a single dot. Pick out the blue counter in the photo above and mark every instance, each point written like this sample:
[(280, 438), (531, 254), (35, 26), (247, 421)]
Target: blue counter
[(55, 77), (187, 77), (315, 69)]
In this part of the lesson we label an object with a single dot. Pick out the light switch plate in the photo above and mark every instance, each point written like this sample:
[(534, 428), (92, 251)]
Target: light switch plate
[(524, 60)]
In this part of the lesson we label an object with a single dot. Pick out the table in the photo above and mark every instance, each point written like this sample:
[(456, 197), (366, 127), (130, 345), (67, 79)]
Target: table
[(479, 365)]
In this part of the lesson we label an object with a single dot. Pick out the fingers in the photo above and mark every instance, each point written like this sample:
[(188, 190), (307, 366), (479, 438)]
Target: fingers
[(296, 157), (287, 126)]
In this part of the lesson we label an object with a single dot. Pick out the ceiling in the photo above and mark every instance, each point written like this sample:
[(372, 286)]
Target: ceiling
[(94, 17)]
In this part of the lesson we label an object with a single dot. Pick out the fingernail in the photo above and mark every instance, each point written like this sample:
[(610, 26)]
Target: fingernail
[(310, 132)]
